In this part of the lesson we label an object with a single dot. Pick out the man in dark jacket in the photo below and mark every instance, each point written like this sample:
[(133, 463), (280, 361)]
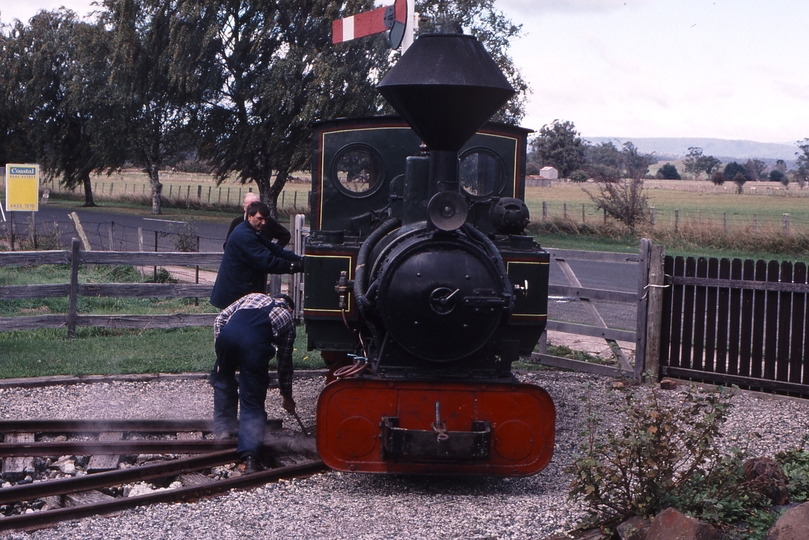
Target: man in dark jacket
[(246, 335), (272, 230), (248, 258)]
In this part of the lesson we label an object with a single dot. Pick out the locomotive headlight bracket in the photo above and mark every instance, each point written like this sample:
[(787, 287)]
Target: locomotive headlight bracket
[(447, 210)]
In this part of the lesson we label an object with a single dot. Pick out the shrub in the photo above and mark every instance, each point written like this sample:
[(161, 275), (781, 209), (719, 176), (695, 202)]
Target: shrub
[(668, 172), (579, 176), (662, 454), (624, 200), (795, 464)]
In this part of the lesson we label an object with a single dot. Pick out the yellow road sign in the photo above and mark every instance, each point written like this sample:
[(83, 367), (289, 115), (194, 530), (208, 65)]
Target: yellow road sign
[(22, 187)]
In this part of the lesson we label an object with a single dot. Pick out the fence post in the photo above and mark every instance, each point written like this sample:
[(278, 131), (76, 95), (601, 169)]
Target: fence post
[(140, 238), (786, 224), (583, 220), (74, 217), (155, 248), (644, 250), (755, 223), (11, 226), (34, 229), (654, 311), (73, 289), (199, 192), (725, 222), (653, 215), (676, 221)]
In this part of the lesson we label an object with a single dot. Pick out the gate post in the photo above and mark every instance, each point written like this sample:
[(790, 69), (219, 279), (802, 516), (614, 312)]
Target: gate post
[(644, 250), (654, 311)]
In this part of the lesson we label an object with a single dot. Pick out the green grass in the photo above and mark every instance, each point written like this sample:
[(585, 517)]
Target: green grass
[(103, 351)]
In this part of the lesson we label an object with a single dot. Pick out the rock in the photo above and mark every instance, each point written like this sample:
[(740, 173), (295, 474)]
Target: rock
[(634, 528), (673, 525), (668, 384), (793, 525), (767, 477), (67, 467)]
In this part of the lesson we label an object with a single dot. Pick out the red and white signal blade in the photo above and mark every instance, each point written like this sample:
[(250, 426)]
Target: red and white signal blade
[(368, 23)]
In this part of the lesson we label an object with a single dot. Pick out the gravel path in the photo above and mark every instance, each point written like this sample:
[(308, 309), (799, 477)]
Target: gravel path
[(352, 506)]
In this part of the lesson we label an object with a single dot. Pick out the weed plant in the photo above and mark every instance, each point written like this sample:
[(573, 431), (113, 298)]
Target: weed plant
[(795, 464), (662, 454)]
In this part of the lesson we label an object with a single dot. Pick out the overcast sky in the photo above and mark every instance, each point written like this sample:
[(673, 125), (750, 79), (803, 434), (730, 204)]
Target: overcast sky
[(731, 69)]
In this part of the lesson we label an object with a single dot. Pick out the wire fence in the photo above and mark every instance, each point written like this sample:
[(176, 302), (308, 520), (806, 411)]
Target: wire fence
[(676, 220)]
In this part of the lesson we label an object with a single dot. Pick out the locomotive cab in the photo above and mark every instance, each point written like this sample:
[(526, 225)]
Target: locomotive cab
[(422, 287)]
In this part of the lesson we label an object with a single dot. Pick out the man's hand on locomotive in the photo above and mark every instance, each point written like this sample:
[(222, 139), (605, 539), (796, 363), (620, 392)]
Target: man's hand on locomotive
[(296, 266)]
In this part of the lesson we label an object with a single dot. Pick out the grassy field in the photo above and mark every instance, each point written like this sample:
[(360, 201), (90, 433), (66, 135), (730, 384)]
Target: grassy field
[(100, 351)]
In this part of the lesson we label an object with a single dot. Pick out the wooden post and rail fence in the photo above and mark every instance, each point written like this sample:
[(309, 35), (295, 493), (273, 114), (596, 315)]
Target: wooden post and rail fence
[(716, 321)]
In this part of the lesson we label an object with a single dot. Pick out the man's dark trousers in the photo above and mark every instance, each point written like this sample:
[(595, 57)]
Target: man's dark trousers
[(245, 343)]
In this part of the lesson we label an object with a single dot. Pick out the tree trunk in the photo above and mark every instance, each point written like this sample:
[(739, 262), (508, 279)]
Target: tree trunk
[(157, 189), (275, 190), (88, 190)]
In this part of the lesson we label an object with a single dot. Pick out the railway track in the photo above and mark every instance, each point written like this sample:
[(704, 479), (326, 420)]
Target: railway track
[(182, 455)]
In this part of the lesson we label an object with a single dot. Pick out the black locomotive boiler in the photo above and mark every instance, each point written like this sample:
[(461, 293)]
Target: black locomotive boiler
[(421, 285)]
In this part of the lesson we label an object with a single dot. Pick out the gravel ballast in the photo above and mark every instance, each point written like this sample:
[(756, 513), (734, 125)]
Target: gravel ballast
[(354, 506)]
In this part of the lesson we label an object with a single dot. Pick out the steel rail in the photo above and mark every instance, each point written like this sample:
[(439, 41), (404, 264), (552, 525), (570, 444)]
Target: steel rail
[(48, 488), (188, 494), (95, 426), (60, 448)]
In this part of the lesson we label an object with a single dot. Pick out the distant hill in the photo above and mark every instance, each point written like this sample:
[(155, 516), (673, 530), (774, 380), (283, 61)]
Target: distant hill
[(724, 149)]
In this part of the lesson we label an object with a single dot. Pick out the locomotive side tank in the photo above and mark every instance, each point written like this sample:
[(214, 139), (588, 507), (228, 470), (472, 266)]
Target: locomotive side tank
[(421, 286)]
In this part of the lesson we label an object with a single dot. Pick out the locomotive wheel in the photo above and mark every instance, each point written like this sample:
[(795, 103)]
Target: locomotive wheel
[(407, 427)]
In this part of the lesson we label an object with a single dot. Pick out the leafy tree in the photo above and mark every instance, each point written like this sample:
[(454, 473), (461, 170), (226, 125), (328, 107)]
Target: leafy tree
[(696, 162), (733, 168), (718, 178), (603, 160), (155, 88), (755, 168), (635, 163), (14, 145), (668, 172), (802, 172), (62, 75), (559, 145), (739, 180), (276, 72), (777, 176)]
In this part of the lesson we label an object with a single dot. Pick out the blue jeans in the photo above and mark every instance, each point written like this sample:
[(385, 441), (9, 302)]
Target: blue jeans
[(243, 344)]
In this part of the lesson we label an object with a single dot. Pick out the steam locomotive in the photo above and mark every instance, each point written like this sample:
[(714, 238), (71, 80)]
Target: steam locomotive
[(421, 285)]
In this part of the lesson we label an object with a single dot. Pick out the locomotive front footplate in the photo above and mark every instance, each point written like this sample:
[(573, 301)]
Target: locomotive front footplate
[(429, 427)]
